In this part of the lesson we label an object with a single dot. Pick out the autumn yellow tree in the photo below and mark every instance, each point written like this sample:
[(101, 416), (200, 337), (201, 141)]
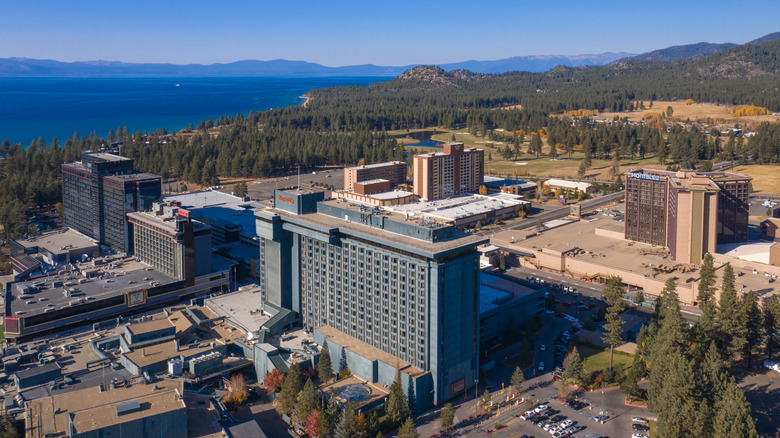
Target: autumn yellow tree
[(237, 391), (483, 190)]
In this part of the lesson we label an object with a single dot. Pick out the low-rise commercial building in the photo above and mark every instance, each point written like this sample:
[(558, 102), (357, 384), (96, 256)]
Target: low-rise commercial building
[(152, 410), (526, 189), (46, 251), (393, 171), (97, 290), (595, 249), (465, 211), (570, 186)]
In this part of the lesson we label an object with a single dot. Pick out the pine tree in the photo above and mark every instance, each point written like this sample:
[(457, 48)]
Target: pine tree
[(308, 401), (7, 429), (346, 427), (613, 290), (732, 415), (770, 322), (750, 319), (705, 325), (706, 280), (326, 422), (572, 366), (397, 403), (678, 413), (536, 145), (324, 367), (290, 389), (408, 429), (447, 416), (517, 379), (728, 313), (613, 331)]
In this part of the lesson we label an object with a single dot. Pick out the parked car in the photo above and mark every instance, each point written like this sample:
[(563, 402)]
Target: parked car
[(542, 347), (638, 435), (640, 427), (541, 366), (639, 420)]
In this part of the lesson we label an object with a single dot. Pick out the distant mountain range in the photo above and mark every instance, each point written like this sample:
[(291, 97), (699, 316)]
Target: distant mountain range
[(15, 67), (281, 67)]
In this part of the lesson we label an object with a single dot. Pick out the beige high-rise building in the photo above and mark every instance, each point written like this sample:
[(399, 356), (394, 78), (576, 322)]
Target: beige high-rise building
[(688, 212), (393, 171), (455, 171)]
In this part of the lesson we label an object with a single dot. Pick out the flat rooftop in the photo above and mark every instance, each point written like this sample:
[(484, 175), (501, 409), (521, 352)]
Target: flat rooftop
[(495, 291), (368, 351), (206, 198), (156, 353), (457, 207), (58, 241), (140, 176), (372, 181), (326, 223), (220, 209), (92, 409), (114, 278), (607, 255), (107, 156), (150, 326), (244, 308), (383, 196), (748, 251), (375, 165)]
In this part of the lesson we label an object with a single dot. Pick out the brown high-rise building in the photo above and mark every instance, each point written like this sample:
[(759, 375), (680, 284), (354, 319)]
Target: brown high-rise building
[(455, 171), (393, 171), (688, 212)]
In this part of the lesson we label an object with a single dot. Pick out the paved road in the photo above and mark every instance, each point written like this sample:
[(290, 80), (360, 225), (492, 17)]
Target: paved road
[(690, 314), (552, 213)]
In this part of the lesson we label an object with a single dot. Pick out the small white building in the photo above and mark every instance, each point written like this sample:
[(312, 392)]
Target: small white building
[(572, 186)]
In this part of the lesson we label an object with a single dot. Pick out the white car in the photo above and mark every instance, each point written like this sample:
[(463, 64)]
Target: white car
[(541, 408), (638, 435), (541, 366), (639, 420), (542, 347)]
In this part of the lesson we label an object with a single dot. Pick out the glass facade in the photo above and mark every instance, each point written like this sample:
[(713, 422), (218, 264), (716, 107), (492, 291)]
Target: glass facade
[(99, 190), (646, 210), (733, 209)]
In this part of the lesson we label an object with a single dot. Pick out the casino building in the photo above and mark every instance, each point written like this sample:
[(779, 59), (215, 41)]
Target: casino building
[(384, 291), (99, 190), (688, 212)]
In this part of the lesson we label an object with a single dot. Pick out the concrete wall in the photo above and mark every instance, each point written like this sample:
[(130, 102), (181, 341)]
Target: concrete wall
[(172, 424), (419, 390)]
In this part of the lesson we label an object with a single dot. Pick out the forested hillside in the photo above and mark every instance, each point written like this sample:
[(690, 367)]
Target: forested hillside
[(343, 125)]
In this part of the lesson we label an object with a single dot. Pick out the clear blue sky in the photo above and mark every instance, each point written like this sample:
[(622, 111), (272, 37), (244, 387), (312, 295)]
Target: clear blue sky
[(398, 32)]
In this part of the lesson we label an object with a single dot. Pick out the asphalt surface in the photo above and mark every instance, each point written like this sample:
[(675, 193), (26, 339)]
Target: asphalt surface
[(550, 213), (589, 289)]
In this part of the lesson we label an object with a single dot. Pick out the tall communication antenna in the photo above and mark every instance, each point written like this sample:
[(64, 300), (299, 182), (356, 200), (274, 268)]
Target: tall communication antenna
[(299, 179)]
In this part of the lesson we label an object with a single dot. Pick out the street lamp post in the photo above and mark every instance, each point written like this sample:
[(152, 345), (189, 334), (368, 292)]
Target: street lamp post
[(602, 402)]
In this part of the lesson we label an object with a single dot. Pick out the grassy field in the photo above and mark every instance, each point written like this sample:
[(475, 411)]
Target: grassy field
[(528, 165), (597, 359), (766, 178), (525, 358), (697, 112)]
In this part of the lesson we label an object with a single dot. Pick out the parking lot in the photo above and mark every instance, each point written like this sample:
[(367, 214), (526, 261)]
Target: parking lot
[(762, 390)]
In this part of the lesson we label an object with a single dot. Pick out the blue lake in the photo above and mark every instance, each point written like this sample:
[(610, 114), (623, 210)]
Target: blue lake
[(49, 107)]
